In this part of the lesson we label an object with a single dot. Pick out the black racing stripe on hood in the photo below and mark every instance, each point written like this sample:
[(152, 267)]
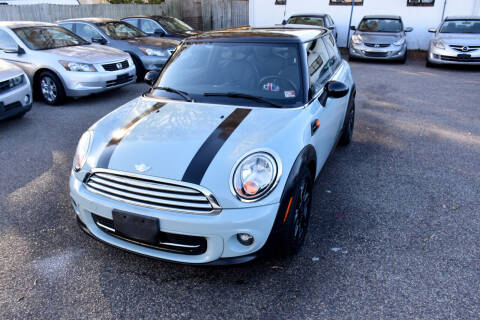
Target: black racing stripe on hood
[(104, 159), (204, 156)]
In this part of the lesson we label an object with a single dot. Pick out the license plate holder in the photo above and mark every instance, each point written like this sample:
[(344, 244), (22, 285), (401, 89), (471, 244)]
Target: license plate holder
[(136, 226), (463, 56)]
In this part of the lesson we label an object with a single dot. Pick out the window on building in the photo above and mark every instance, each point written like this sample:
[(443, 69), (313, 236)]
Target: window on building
[(424, 3), (281, 2), (345, 2)]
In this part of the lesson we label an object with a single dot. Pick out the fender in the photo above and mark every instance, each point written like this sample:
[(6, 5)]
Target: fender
[(306, 158)]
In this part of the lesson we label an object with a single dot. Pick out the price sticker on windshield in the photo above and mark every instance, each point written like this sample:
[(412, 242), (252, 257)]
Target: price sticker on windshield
[(289, 94)]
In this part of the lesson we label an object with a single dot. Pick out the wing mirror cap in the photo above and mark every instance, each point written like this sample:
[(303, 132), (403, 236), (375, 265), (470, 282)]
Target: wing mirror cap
[(353, 28), (409, 29), (17, 50), (432, 30), (336, 89), (151, 77), (100, 40)]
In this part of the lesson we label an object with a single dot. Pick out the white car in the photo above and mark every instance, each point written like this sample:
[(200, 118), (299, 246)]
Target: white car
[(456, 41), (220, 157), (15, 91)]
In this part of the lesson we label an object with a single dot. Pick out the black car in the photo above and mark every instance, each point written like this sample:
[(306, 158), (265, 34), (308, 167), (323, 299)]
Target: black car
[(314, 19), (162, 26)]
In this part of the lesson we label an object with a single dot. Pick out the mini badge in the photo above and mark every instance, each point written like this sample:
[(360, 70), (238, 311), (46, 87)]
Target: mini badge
[(142, 167), (289, 94)]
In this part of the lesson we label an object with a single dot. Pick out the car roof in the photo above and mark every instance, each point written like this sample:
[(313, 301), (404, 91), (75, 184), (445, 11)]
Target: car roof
[(463, 18), (91, 20), (148, 16), (319, 15), (20, 24), (382, 16), (281, 33)]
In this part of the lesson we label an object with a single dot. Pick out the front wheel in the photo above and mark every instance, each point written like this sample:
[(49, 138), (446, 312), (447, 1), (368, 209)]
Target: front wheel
[(349, 125), (297, 215), (50, 88)]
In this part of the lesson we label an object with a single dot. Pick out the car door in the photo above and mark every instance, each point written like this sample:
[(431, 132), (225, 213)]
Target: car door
[(324, 122)]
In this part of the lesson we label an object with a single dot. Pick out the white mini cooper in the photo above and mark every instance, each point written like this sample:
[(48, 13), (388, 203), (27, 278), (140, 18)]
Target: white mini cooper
[(219, 158)]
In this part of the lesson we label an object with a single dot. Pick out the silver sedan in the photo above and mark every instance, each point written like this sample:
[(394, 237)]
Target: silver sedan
[(60, 63), (457, 41), (15, 91)]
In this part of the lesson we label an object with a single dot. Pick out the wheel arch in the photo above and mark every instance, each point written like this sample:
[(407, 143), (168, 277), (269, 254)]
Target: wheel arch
[(37, 74)]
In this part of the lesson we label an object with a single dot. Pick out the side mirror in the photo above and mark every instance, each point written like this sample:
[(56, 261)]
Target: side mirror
[(432, 30), (336, 89), (18, 50), (409, 29), (353, 28), (331, 28), (99, 40), (284, 22), (151, 77), (159, 33)]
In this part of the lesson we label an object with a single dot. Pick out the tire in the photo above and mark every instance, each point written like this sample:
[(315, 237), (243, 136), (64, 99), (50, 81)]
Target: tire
[(292, 236), (349, 126), (404, 59), (50, 88), (428, 64), (140, 70)]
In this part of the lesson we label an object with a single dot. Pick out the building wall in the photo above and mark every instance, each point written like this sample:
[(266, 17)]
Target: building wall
[(265, 12)]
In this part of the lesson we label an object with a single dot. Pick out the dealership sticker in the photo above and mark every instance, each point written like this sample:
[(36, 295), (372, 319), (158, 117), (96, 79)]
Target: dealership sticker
[(289, 94)]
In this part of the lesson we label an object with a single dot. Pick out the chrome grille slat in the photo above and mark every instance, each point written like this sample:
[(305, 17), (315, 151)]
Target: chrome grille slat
[(152, 192)]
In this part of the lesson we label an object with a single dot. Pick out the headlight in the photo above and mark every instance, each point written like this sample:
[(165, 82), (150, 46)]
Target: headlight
[(399, 42), (13, 82), (438, 44), (357, 39), (82, 150), (77, 66), (155, 52), (255, 176)]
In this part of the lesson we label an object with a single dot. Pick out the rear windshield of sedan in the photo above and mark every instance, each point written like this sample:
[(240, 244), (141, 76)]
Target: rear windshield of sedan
[(313, 21), (461, 26), (51, 37), (120, 30), (174, 25), (380, 25), (270, 71)]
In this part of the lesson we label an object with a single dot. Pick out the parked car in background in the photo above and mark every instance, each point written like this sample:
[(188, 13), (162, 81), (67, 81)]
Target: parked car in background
[(185, 173), (314, 19), (380, 37), (60, 63), (456, 41), (162, 26), (15, 91), (148, 53)]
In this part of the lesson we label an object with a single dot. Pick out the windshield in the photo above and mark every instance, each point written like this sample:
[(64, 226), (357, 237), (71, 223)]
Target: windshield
[(48, 37), (380, 25), (461, 26), (119, 30), (267, 71), (174, 25), (313, 21)]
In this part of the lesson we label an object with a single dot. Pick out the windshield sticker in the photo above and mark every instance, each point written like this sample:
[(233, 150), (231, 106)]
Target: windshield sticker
[(289, 94), (270, 86)]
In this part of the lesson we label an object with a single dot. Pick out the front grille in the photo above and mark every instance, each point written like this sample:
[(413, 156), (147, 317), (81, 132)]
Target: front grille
[(177, 243), (456, 59), (464, 48), (14, 105), (375, 54), (119, 80), (116, 66), (377, 45), (157, 193)]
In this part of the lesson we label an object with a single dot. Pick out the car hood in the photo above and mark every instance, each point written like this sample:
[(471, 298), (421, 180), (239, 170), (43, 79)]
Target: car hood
[(92, 53), (380, 37), (460, 39), (180, 140), (153, 42), (8, 70)]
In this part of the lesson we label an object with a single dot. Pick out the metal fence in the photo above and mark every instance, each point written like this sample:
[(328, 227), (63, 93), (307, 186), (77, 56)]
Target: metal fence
[(214, 14)]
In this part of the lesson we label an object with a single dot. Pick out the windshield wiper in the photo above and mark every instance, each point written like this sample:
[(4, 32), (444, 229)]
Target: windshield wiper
[(179, 92), (241, 95)]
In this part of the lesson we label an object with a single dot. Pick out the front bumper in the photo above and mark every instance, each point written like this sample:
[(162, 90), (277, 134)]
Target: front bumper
[(78, 84), (450, 56), (220, 231), (153, 63), (15, 101), (392, 52)]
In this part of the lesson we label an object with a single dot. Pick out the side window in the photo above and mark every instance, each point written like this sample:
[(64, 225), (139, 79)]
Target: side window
[(68, 26), (6, 41), (317, 58), (334, 58), (87, 32), (133, 22), (148, 26)]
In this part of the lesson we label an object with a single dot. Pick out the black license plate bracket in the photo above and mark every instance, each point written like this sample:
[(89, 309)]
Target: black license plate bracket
[(136, 226)]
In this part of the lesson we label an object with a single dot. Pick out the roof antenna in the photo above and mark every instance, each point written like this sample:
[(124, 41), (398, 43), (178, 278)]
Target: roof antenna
[(284, 22)]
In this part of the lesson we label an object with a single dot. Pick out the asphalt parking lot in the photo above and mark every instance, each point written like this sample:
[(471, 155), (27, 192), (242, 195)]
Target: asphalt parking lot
[(395, 231)]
